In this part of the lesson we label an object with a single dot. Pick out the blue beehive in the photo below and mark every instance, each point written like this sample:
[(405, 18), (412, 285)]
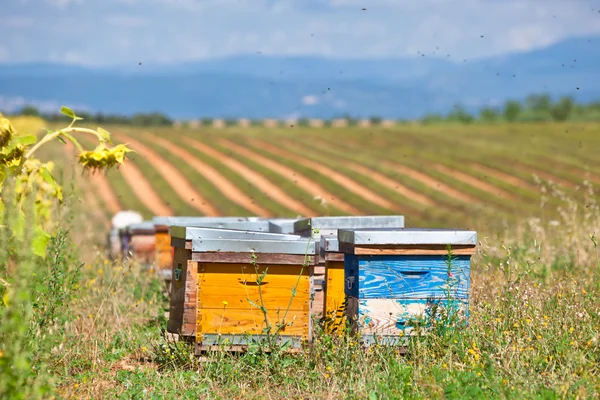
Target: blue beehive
[(398, 278)]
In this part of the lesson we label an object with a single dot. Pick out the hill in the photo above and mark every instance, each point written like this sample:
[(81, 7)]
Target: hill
[(258, 86)]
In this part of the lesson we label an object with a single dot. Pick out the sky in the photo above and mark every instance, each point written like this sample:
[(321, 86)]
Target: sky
[(125, 32)]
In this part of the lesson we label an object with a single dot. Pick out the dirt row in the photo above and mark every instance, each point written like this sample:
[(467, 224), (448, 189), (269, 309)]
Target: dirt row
[(179, 183), (335, 176)]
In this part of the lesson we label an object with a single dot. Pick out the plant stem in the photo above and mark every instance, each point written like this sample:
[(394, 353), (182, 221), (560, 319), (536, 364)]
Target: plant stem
[(55, 134)]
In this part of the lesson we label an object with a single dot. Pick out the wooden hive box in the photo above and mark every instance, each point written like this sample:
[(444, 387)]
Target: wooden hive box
[(182, 311), (328, 226), (395, 276), (164, 251), (140, 242)]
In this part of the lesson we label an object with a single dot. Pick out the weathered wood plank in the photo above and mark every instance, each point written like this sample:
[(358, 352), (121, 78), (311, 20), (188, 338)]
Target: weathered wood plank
[(178, 288), (246, 258), (393, 317), (224, 291), (335, 296), (163, 250), (248, 321), (389, 277), (188, 327), (413, 249)]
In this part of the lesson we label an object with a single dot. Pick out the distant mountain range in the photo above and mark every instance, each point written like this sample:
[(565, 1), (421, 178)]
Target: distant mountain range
[(259, 86)]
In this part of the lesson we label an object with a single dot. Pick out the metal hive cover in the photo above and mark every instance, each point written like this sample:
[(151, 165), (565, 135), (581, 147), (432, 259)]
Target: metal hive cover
[(262, 225), (168, 221), (329, 244), (141, 227), (407, 236), (282, 225), (350, 222), (192, 233), (300, 247)]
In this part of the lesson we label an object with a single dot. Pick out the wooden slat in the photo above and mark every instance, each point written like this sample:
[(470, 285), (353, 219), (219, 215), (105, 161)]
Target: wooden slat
[(246, 258), (181, 259), (163, 249), (334, 257), (391, 316), (334, 294), (407, 249), (235, 284)]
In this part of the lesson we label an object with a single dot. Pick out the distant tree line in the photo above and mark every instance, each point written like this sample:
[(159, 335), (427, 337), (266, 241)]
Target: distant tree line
[(139, 119), (535, 108)]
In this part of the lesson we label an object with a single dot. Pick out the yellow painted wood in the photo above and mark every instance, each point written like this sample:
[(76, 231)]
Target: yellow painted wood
[(164, 252), (334, 296), (224, 291)]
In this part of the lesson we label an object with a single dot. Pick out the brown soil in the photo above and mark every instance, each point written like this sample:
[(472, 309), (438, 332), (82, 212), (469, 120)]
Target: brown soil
[(474, 182), (511, 180), (340, 179), (544, 175), (431, 182), (391, 184), (301, 181), (176, 180), (228, 189), (144, 191), (260, 182)]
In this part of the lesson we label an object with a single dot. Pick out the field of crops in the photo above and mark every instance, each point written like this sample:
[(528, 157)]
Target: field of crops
[(97, 326), (465, 176)]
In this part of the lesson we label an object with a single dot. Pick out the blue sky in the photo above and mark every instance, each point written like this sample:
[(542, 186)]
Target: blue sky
[(124, 32)]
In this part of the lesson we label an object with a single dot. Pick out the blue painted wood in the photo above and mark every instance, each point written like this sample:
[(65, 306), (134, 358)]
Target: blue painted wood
[(400, 316), (399, 276)]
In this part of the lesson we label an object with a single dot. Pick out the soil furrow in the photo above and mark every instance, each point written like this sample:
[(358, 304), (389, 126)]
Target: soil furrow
[(474, 182), (260, 182), (340, 179), (228, 189), (176, 180), (431, 182), (300, 180)]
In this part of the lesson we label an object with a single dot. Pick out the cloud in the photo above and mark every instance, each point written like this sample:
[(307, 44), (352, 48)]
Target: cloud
[(126, 21), (118, 32), (310, 100)]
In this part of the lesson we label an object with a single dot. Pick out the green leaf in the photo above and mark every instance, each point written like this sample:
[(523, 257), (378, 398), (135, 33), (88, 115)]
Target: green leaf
[(73, 140), (25, 140), (39, 242), (68, 112), (104, 134), (262, 277), (50, 179)]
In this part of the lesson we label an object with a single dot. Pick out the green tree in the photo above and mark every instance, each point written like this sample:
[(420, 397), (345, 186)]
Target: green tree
[(512, 110), (562, 109), (539, 102), (460, 114), (30, 111), (488, 114)]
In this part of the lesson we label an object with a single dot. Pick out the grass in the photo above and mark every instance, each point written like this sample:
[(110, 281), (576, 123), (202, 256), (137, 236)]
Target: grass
[(533, 333), (534, 327)]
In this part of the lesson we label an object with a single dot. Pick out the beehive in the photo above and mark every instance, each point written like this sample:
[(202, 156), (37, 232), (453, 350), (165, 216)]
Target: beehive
[(328, 226), (140, 241), (220, 253), (164, 251), (395, 278)]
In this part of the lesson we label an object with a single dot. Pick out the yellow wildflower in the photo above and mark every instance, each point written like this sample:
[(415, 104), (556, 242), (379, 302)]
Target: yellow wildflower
[(225, 303), (1, 353), (76, 385)]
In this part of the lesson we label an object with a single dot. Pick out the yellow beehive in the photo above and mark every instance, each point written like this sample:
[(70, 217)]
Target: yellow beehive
[(218, 293)]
